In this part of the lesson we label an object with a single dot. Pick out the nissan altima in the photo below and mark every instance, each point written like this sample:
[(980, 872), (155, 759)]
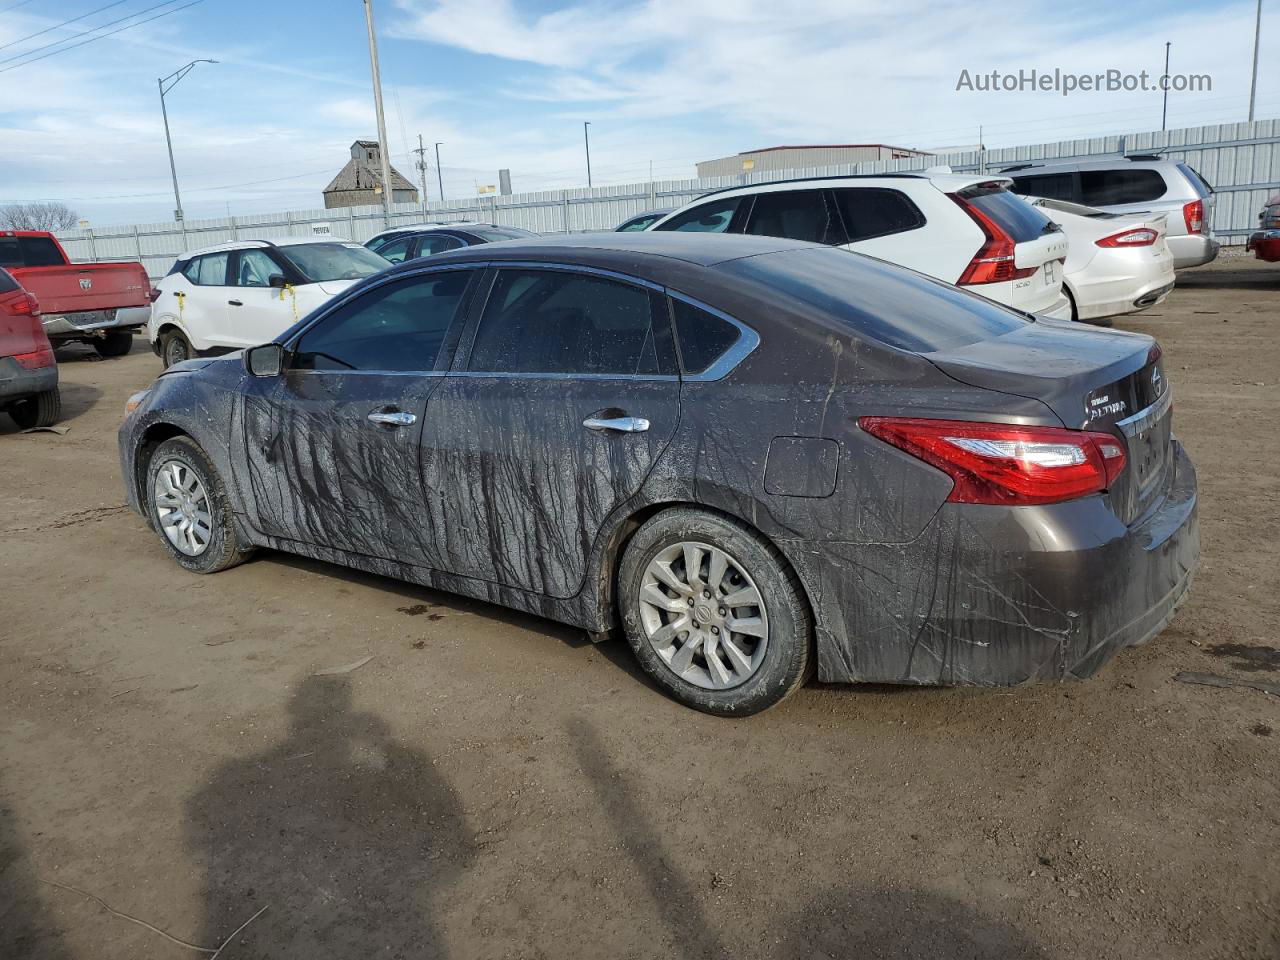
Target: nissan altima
[(757, 459)]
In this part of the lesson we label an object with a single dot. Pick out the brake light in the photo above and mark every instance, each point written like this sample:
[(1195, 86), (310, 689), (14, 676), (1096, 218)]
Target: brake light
[(34, 361), (1140, 237), (153, 294), (1193, 215), (993, 263), (1004, 463), (25, 305)]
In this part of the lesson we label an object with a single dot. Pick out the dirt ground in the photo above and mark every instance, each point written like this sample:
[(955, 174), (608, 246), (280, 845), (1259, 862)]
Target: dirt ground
[(490, 785)]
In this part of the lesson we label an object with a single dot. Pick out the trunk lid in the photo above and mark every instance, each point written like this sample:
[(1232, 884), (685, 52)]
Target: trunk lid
[(1103, 380)]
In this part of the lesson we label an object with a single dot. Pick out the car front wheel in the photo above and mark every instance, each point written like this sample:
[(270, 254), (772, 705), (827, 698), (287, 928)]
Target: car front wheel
[(713, 613), (188, 507)]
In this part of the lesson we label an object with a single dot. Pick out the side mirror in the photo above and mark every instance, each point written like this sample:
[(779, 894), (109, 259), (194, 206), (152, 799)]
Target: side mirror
[(264, 361), (276, 280)]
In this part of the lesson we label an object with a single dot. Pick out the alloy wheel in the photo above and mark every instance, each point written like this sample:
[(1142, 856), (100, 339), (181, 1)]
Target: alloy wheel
[(703, 615)]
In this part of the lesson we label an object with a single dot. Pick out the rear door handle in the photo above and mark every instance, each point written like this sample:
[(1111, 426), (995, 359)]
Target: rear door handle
[(393, 418), (235, 303), (620, 424)]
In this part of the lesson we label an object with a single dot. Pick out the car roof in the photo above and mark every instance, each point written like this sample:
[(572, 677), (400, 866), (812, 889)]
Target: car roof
[(943, 180), (608, 249), (260, 244), (1142, 161)]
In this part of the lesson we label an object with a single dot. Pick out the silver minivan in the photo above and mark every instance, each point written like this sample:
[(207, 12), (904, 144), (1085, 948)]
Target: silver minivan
[(1138, 184)]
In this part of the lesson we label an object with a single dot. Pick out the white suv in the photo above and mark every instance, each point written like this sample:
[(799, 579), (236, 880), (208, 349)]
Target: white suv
[(966, 230), (248, 292)]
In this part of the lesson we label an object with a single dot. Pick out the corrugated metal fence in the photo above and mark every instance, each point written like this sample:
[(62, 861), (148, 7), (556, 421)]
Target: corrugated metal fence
[(1241, 160)]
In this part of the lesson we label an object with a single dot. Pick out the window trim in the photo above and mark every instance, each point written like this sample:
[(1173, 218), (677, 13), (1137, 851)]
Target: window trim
[(725, 364), (462, 356)]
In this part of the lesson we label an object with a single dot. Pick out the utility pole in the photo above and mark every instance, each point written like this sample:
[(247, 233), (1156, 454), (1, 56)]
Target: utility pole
[(384, 147), (586, 139), (439, 172), (1257, 35), (172, 81), (422, 172), (1164, 111)]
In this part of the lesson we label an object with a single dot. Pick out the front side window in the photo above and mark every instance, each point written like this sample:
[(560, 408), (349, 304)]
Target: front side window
[(397, 250), (703, 336), (398, 326), (1053, 186), (1100, 188), (209, 270), (318, 262), (256, 269), (552, 321), (640, 223), (795, 215), (711, 217), (871, 212)]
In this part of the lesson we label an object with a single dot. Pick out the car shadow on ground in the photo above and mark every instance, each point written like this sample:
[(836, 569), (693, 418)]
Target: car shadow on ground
[(77, 400), (1261, 279), (26, 932), (342, 832), (858, 920)]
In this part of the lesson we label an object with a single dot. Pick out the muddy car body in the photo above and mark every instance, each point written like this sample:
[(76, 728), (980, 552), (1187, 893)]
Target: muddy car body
[(787, 415)]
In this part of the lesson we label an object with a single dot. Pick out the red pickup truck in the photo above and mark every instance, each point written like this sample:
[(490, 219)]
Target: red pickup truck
[(94, 303)]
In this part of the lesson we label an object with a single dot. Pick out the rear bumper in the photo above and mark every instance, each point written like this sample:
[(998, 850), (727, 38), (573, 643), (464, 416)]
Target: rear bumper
[(1265, 245), (69, 325), (1060, 310), (17, 382), (1192, 249), (998, 596)]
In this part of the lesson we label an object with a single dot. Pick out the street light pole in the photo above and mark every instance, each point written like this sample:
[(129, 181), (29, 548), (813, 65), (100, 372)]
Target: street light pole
[(1164, 111), (1257, 35), (172, 81), (384, 148), (586, 140), (439, 174)]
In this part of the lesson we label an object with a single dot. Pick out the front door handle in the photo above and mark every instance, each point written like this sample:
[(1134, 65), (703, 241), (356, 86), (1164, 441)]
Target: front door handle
[(620, 424), (235, 303), (393, 418)]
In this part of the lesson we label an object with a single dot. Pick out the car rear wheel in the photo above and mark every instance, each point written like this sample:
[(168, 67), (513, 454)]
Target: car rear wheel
[(174, 348), (115, 344), (713, 613), (188, 507), (41, 410)]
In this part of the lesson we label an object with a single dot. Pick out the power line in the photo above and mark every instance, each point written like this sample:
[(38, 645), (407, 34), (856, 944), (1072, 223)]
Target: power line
[(56, 26), (85, 33), (21, 3), (103, 36)]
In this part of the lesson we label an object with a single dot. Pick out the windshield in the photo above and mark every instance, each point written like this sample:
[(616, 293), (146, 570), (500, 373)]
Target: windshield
[(881, 301), (332, 261)]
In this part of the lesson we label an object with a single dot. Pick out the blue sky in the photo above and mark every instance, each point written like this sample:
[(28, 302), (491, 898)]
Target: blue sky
[(505, 83)]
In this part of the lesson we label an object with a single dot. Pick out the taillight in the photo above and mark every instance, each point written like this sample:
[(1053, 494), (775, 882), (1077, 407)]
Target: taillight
[(1140, 237), (1193, 215), (153, 295), (35, 361), (26, 305), (993, 263), (1004, 463)]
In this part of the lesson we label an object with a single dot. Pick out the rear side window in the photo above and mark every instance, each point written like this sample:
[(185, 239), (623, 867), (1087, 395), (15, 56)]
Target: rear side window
[(703, 336), (879, 301), (397, 326), (551, 321), (1100, 188), (711, 217), (1198, 183), (1019, 219), (795, 215), (209, 270), (29, 252), (435, 243), (1055, 186), (7, 283), (876, 212)]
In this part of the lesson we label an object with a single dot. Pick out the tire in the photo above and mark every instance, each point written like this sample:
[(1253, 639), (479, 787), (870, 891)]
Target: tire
[(756, 677), (41, 410), (115, 344), (220, 547), (174, 348)]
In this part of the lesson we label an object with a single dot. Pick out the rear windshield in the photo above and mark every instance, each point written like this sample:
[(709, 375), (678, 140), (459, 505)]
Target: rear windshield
[(1198, 183), (7, 283), (29, 252), (494, 234), (1019, 219), (880, 301), (332, 261)]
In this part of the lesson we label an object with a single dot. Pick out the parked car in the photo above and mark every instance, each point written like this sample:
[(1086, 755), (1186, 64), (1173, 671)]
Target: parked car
[(81, 302), (966, 230), (642, 221), (240, 294), (424, 240), (1141, 184), (1265, 244), (1116, 263), (28, 371), (758, 457)]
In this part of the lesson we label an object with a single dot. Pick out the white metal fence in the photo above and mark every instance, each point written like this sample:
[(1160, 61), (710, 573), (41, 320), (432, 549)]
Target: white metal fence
[(1241, 160)]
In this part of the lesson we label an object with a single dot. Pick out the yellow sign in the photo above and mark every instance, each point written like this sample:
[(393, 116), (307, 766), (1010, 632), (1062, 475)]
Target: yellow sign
[(749, 164), (486, 188)]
